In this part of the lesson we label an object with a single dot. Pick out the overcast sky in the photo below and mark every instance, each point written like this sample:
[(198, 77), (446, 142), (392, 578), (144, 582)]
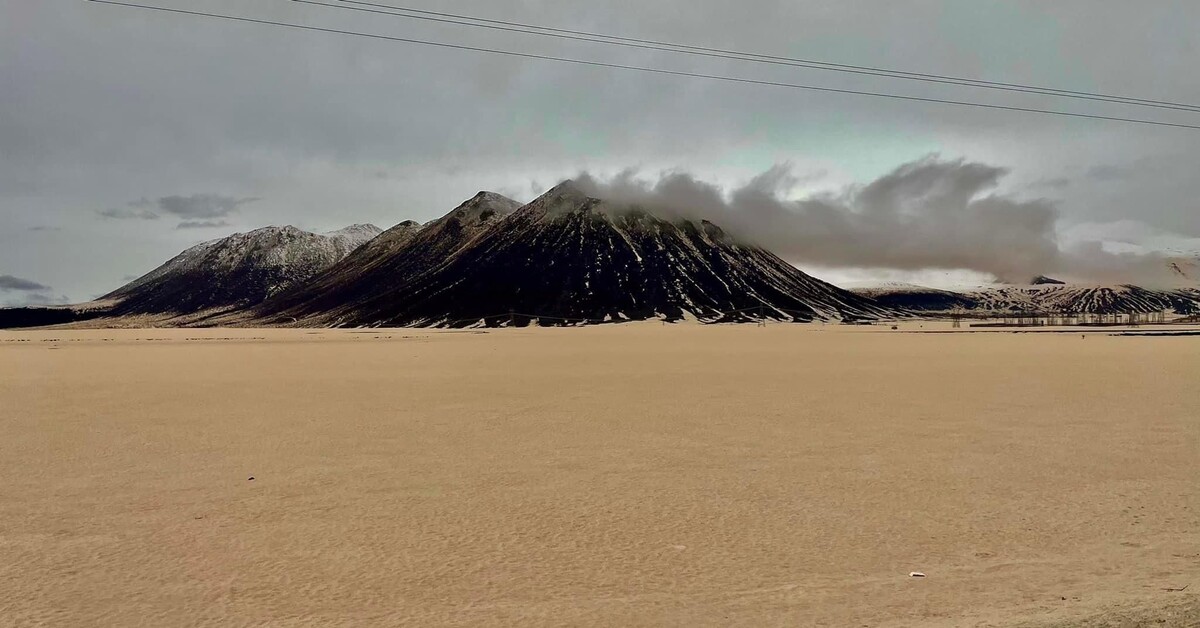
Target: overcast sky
[(127, 135)]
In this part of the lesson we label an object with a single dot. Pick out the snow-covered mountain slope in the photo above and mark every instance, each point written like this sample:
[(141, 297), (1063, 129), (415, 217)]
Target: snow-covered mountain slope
[(1092, 299), (566, 257), (354, 235), (388, 263), (1044, 297), (236, 271)]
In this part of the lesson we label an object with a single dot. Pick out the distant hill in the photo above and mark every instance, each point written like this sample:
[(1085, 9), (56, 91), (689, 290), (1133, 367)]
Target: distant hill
[(917, 298), (236, 271), (1073, 299), (1046, 297)]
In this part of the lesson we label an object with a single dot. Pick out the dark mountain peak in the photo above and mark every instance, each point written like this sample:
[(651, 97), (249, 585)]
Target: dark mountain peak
[(483, 208), (386, 242), (1042, 280), (408, 226), (567, 187), (568, 201), (564, 198), (401, 230), (389, 262), (485, 197)]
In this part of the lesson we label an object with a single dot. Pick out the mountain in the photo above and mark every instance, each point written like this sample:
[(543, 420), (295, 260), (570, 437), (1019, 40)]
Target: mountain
[(1044, 297), (386, 264), (566, 258), (355, 235), (1042, 280), (1074, 299), (40, 315), (917, 298), (237, 271)]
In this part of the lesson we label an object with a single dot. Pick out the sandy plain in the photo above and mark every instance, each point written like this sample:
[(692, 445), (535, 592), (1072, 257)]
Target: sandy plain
[(633, 475)]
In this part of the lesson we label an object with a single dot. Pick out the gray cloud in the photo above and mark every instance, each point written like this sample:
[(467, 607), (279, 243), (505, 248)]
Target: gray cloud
[(31, 299), (1110, 173), (129, 212), (927, 214), (194, 209), (202, 224), (45, 228), (8, 282), (1057, 183), (19, 292), (199, 206)]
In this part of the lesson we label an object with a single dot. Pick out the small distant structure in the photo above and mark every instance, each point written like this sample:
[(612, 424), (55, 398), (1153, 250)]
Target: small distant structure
[(1060, 318)]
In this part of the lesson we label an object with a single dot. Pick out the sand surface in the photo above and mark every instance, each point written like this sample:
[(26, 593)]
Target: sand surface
[(635, 475)]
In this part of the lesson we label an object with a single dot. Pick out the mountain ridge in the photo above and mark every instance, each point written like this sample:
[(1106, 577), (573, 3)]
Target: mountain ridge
[(1046, 297), (385, 264), (568, 257), (236, 271)]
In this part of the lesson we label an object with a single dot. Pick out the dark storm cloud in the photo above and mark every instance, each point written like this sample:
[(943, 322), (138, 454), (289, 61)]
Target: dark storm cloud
[(8, 282), (928, 214)]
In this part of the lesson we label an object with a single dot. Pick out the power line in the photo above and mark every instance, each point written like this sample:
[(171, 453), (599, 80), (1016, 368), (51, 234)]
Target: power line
[(649, 70), (649, 44)]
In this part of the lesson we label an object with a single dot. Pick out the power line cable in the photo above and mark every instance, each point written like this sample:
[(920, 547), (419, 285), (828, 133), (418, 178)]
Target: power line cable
[(649, 44), (649, 70)]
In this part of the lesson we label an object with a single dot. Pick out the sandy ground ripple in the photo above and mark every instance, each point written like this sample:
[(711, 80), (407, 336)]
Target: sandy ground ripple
[(635, 475)]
